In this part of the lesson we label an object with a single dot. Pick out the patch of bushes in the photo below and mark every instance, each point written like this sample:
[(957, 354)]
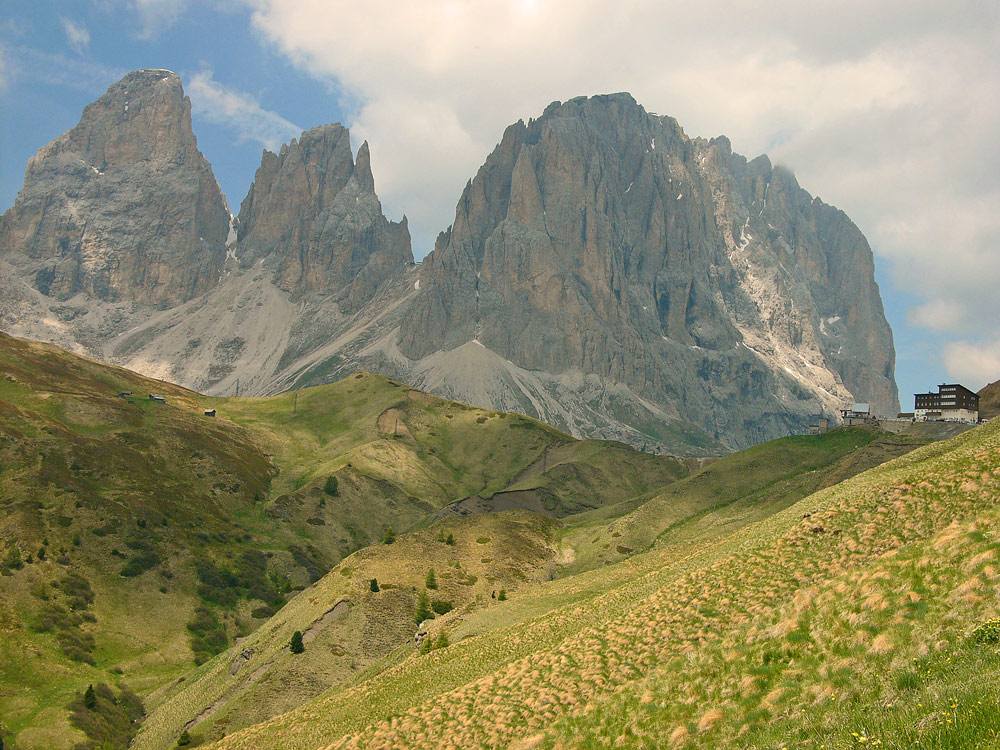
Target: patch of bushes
[(441, 606), (12, 559), (75, 643), (466, 579), (208, 635), (77, 589), (110, 721), (987, 633), (332, 486), (248, 579), (139, 563)]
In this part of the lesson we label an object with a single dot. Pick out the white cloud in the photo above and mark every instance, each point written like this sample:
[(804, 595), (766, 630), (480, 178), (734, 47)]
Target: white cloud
[(973, 363), (239, 112), (887, 110), (938, 315), (77, 35), (55, 69), (157, 15)]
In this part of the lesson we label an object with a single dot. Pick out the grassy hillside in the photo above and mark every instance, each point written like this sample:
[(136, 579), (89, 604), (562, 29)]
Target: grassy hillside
[(140, 537), (769, 477), (731, 492), (350, 630), (853, 618)]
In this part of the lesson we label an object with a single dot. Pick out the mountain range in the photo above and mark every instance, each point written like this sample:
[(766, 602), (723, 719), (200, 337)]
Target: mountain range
[(605, 273)]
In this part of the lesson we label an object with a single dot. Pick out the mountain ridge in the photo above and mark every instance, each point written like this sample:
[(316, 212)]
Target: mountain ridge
[(575, 285)]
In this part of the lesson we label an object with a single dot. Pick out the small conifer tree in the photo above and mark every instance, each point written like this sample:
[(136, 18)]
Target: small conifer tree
[(90, 698), (426, 645), (184, 740), (423, 608), (450, 540), (442, 640), (431, 581), (296, 645), (390, 536), (502, 596), (332, 486), (373, 585)]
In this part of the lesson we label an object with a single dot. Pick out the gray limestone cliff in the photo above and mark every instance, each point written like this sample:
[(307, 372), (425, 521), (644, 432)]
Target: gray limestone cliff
[(599, 240), (312, 211), (123, 206)]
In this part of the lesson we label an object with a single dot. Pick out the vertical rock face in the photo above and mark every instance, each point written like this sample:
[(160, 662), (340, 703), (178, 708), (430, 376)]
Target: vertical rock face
[(123, 206), (313, 212), (600, 239)]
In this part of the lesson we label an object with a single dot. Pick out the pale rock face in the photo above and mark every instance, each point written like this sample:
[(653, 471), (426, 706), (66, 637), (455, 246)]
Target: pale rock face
[(123, 207), (121, 247), (313, 213), (601, 240)]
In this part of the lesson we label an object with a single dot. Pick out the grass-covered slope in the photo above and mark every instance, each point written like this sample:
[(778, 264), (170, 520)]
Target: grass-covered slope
[(400, 454), (105, 505), (753, 484), (731, 492), (849, 619), (137, 537), (350, 630)]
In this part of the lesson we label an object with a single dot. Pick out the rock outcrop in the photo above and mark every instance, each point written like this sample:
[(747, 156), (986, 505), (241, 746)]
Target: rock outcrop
[(123, 206), (312, 210), (599, 240), (989, 400)]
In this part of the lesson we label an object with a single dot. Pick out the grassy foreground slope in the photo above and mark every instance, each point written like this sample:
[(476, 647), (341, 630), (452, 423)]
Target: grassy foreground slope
[(751, 485), (138, 537), (846, 620)]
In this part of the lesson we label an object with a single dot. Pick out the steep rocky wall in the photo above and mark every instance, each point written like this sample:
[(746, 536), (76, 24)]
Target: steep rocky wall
[(313, 213), (600, 239), (123, 206)]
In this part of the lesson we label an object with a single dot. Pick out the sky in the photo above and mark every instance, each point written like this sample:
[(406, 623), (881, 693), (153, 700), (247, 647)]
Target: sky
[(888, 110)]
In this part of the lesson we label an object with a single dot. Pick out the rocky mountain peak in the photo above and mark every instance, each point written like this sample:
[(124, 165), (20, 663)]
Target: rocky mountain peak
[(599, 240), (123, 206), (313, 213)]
